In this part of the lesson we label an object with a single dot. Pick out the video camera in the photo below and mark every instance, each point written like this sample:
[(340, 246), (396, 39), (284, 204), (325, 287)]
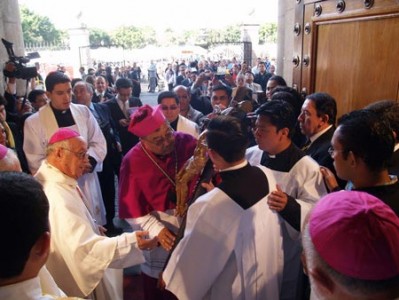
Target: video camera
[(21, 71)]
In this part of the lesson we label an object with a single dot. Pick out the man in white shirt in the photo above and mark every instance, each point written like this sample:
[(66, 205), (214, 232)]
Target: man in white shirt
[(232, 244), (83, 262), (62, 113)]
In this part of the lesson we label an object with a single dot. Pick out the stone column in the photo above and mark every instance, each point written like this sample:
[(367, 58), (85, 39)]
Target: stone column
[(80, 48), (285, 38), (250, 33), (10, 30)]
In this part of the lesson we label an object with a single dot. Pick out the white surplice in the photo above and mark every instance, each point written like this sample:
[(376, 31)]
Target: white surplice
[(227, 252), (42, 125), (187, 126), (304, 182), (81, 261)]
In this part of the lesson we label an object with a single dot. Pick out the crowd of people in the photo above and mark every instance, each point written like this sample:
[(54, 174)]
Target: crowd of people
[(234, 186)]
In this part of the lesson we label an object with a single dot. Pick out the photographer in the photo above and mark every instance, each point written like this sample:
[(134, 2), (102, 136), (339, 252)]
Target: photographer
[(10, 117)]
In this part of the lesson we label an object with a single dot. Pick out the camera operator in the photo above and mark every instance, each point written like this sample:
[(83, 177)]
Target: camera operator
[(10, 118)]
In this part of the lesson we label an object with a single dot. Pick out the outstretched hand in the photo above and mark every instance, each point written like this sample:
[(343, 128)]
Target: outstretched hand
[(166, 238), (143, 242)]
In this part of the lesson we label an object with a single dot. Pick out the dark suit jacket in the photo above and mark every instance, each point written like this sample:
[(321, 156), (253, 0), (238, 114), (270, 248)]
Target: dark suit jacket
[(107, 95), (128, 140), (318, 150), (107, 125)]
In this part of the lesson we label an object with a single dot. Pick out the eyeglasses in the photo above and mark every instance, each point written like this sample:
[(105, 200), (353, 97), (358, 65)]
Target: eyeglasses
[(80, 155), (173, 107), (331, 151), (160, 141)]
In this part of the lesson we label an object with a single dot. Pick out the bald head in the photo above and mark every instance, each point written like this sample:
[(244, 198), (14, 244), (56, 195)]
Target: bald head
[(10, 161)]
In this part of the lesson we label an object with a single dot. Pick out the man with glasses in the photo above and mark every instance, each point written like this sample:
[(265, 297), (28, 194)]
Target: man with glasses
[(361, 148), (147, 193), (170, 105), (60, 112), (83, 262)]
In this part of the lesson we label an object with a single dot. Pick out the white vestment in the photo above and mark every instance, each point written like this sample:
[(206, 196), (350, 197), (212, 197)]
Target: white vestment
[(42, 125), (187, 126), (304, 182), (25, 290), (42, 287), (81, 261), (227, 252)]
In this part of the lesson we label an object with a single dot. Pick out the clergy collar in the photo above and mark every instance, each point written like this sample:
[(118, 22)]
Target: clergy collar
[(282, 153), (59, 111), (236, 167)]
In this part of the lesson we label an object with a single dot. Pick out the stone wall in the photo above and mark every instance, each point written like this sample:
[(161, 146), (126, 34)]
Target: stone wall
[(285, 38), (10, 30)]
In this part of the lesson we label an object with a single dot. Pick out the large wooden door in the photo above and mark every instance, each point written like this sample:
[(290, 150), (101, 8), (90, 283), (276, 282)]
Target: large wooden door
[(349, 49)]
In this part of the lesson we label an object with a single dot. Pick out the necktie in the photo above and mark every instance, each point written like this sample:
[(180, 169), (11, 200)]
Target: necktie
[(306, 146), (125, 109)]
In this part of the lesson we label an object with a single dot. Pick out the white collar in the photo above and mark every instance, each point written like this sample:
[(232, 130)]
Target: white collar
[(236, 167), (320, 133)]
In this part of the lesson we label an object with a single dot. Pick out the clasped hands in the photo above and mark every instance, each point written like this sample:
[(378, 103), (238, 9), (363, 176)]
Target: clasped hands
[(165, 239)]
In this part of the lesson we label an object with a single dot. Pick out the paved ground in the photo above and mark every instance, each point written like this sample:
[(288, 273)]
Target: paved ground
[(146, 97)]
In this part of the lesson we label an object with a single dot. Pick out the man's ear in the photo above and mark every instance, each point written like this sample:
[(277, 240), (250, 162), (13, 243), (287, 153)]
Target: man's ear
[(324, 283), (41, 248), (353, 160), (325, 118)]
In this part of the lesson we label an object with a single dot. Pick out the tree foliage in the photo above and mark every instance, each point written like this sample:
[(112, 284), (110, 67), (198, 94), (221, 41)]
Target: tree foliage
[(268, 33), (129, 37), (99, 37), (38, 29)]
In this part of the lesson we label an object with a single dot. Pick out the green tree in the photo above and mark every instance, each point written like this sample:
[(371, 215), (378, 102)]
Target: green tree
[(150, 36), (129, 37), (268, 33), (99, 37), (231, 34), (38, 29)]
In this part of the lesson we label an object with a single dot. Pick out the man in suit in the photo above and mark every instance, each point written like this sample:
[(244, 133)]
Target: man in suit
[(83, 92), (262, 76), (121, 106), (170, 106), (102, 93), (317, 123)]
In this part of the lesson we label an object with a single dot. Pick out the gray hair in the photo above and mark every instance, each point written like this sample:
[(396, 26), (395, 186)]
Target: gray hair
[(52, 147)]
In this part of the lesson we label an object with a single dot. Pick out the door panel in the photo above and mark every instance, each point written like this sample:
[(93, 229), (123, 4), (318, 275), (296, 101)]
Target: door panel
[(351, 49)]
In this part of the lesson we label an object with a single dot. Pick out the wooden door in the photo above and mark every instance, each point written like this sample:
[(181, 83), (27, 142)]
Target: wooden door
[(349, 50)]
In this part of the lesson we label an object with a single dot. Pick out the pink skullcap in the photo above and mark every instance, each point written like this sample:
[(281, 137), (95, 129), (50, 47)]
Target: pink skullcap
[(63, 134), (3, 151), (146, 120), (357, 235)]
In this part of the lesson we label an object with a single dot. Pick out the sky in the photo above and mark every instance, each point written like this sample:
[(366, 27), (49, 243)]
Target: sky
[(160, 14)]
